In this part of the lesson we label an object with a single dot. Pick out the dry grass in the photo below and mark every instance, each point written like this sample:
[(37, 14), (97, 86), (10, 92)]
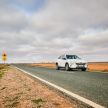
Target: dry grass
[(50, 65), (3, 69), (98, 66)]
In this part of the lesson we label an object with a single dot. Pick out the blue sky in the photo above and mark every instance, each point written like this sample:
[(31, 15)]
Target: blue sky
[(41, 30), (31, 6)]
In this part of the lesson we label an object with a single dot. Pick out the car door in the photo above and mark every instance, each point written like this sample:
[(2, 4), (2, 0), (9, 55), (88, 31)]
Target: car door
[(63, 61), (59, 61)]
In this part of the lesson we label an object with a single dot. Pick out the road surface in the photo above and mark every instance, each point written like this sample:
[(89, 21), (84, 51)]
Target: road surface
[(92, 86)]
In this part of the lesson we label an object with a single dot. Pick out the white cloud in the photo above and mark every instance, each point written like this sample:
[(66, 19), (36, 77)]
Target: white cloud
[(99, 39), (12, 20), (59, 27)]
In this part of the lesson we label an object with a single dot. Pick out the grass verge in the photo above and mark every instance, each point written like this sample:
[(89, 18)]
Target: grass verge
[(3, 69), (39, 102)]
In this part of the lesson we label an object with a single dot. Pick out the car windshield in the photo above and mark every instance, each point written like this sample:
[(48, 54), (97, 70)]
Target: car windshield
[(72, 57)]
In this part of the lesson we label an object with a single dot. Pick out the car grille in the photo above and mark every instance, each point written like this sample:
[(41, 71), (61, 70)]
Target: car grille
[(80, 63)]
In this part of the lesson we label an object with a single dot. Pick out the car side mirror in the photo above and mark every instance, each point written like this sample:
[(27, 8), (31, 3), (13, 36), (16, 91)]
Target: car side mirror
[(64, 58)]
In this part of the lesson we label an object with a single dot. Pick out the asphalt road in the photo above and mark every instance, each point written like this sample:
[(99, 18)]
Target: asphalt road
[(92, 86)]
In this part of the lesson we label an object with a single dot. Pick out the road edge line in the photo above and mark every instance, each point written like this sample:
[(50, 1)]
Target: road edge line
[(82, 99)]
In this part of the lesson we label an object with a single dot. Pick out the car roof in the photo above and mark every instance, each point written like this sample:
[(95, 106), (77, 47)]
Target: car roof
[(69, 54)]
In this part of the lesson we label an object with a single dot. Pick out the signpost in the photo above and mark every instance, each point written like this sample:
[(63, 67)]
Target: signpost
[(4, 57)]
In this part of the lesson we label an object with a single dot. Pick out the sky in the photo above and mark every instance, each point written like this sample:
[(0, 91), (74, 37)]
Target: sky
[(42, 30)]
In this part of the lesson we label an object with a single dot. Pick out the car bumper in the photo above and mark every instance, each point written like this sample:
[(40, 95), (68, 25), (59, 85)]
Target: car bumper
[(80, 66)]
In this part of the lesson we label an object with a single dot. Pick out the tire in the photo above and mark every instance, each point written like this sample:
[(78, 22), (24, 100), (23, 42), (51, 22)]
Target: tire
[(67, 67), (84, 69), (57, 67)]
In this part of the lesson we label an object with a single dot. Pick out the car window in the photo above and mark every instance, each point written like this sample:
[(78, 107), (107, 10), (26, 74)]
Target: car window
[(76, 57), (72, 57), (69, 56)]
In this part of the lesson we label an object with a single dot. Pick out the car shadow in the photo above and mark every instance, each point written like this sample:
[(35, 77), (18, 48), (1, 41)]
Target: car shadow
[(72, 70)]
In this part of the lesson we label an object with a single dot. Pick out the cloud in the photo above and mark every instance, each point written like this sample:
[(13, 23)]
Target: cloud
[(52, 28), (12, 20), (99, 39)]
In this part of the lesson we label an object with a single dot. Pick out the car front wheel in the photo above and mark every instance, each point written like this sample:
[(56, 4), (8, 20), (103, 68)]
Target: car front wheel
[(84, 69), (67, 67)]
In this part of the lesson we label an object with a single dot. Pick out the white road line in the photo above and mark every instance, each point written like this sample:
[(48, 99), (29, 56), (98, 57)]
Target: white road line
[(82, 99)]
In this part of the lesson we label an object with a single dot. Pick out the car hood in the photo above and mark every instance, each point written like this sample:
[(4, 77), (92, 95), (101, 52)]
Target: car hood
[(77, 61)]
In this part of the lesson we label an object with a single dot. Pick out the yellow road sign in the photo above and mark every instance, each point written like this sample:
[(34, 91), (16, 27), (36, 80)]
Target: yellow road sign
[(4, 56)]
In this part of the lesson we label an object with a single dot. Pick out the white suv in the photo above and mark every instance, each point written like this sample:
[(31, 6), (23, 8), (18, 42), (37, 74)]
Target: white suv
[(71, 62)]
